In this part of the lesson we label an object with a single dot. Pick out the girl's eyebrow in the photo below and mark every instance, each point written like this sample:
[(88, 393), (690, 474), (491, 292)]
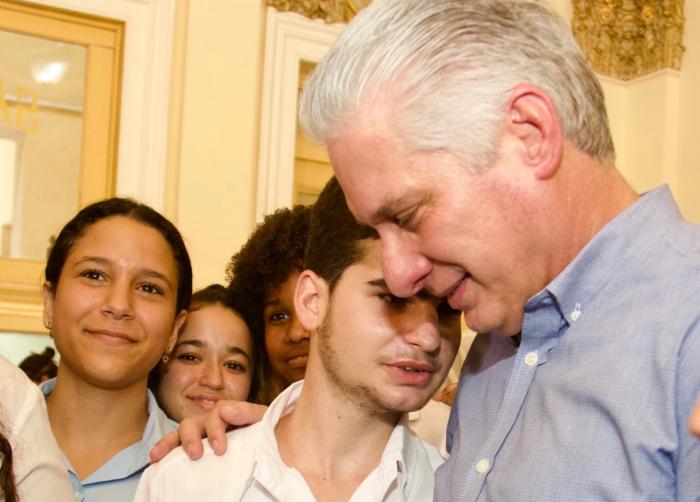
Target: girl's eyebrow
[(231, 349), (105, 262)]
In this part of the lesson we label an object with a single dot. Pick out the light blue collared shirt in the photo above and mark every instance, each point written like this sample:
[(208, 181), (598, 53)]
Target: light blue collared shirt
[(117, 479), (593, 405)]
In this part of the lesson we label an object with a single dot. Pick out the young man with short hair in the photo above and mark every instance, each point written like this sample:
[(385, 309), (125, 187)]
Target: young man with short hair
[(341, 434)]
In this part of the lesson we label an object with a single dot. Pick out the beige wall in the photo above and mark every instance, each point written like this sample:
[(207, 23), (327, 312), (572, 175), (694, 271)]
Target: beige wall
[(214, 137), (218, 60), (688, 173)]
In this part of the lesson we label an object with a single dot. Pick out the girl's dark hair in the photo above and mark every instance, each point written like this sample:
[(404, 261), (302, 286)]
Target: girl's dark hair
[(7, 477), (266, 260), (216, 294), (129, 208), (39, 367)]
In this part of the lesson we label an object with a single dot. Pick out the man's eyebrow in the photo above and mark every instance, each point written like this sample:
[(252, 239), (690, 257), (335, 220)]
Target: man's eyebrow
[(388, 208), (393, 205), (422, 294)]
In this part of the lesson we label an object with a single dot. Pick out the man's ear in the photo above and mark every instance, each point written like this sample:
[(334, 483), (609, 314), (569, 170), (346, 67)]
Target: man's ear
[(310, 300), (48, 294), (533, 120)]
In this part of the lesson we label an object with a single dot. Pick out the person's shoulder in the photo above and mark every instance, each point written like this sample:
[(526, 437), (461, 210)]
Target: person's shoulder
[(239, 451), (177, 477)]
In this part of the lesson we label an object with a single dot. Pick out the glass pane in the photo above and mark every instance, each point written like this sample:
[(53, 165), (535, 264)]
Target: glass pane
[(312, 167), (41, 113)]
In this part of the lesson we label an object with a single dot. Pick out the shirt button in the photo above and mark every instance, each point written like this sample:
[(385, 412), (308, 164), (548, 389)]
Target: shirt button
[(482, 466), (531, 358), (576, 313)]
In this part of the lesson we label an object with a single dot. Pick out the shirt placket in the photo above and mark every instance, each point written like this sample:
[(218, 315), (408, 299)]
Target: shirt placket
[(541, 326)]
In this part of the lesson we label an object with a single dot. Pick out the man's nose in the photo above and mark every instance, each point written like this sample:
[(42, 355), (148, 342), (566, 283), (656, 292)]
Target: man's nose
[(405, 269)]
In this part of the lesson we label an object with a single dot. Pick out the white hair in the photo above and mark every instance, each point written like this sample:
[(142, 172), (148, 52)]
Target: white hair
[(447, 67)]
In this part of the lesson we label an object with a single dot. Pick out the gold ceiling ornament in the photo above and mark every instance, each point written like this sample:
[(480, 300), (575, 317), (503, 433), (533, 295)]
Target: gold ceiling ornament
[(331, 11), (626, 39)]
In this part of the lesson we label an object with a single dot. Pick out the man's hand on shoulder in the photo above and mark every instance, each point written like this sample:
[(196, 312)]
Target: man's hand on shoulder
[(225, 415)]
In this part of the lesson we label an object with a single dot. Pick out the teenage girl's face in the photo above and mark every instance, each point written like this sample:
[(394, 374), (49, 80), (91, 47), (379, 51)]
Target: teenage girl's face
[(113, 311), (212, 360), (286, 340)]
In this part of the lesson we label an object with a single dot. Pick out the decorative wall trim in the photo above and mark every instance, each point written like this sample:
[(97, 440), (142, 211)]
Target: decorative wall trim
[(625, 39), (290, 39), (331, 11)]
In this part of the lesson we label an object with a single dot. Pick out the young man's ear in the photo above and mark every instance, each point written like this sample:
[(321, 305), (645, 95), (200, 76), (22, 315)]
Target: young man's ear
[(48, 294), (310, 300), (534, 122)]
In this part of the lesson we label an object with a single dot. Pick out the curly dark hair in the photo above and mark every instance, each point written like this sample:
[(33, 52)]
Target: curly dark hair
[(271, 254)]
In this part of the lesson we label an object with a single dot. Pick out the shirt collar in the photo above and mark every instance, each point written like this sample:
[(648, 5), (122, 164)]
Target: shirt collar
[(133, 458), (399, 459), (611, 251)]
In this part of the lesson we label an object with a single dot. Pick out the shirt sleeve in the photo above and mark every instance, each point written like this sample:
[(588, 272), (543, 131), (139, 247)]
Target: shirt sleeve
[(146, 491), (40, 473)]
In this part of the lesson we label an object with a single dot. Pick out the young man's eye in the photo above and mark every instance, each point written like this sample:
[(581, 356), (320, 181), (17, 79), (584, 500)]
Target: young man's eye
[(394, 301)]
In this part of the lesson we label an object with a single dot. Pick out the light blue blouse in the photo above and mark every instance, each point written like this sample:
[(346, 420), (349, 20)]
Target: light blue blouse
[(117, 479)]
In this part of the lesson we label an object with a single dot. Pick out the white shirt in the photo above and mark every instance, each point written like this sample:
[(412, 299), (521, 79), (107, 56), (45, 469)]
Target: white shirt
[(39, 471), (252, 470)]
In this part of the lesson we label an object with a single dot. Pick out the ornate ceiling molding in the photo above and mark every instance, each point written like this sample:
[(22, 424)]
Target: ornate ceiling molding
[(331, 11), (626, 39)]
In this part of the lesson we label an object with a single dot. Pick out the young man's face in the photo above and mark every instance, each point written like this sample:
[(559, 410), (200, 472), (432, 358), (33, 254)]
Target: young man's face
[(386, 353)]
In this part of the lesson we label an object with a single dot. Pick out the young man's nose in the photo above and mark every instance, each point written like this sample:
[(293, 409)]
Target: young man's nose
[(422, 329)]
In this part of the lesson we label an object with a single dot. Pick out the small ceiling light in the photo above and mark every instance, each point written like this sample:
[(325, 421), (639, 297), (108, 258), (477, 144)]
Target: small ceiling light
[(49, 73)]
